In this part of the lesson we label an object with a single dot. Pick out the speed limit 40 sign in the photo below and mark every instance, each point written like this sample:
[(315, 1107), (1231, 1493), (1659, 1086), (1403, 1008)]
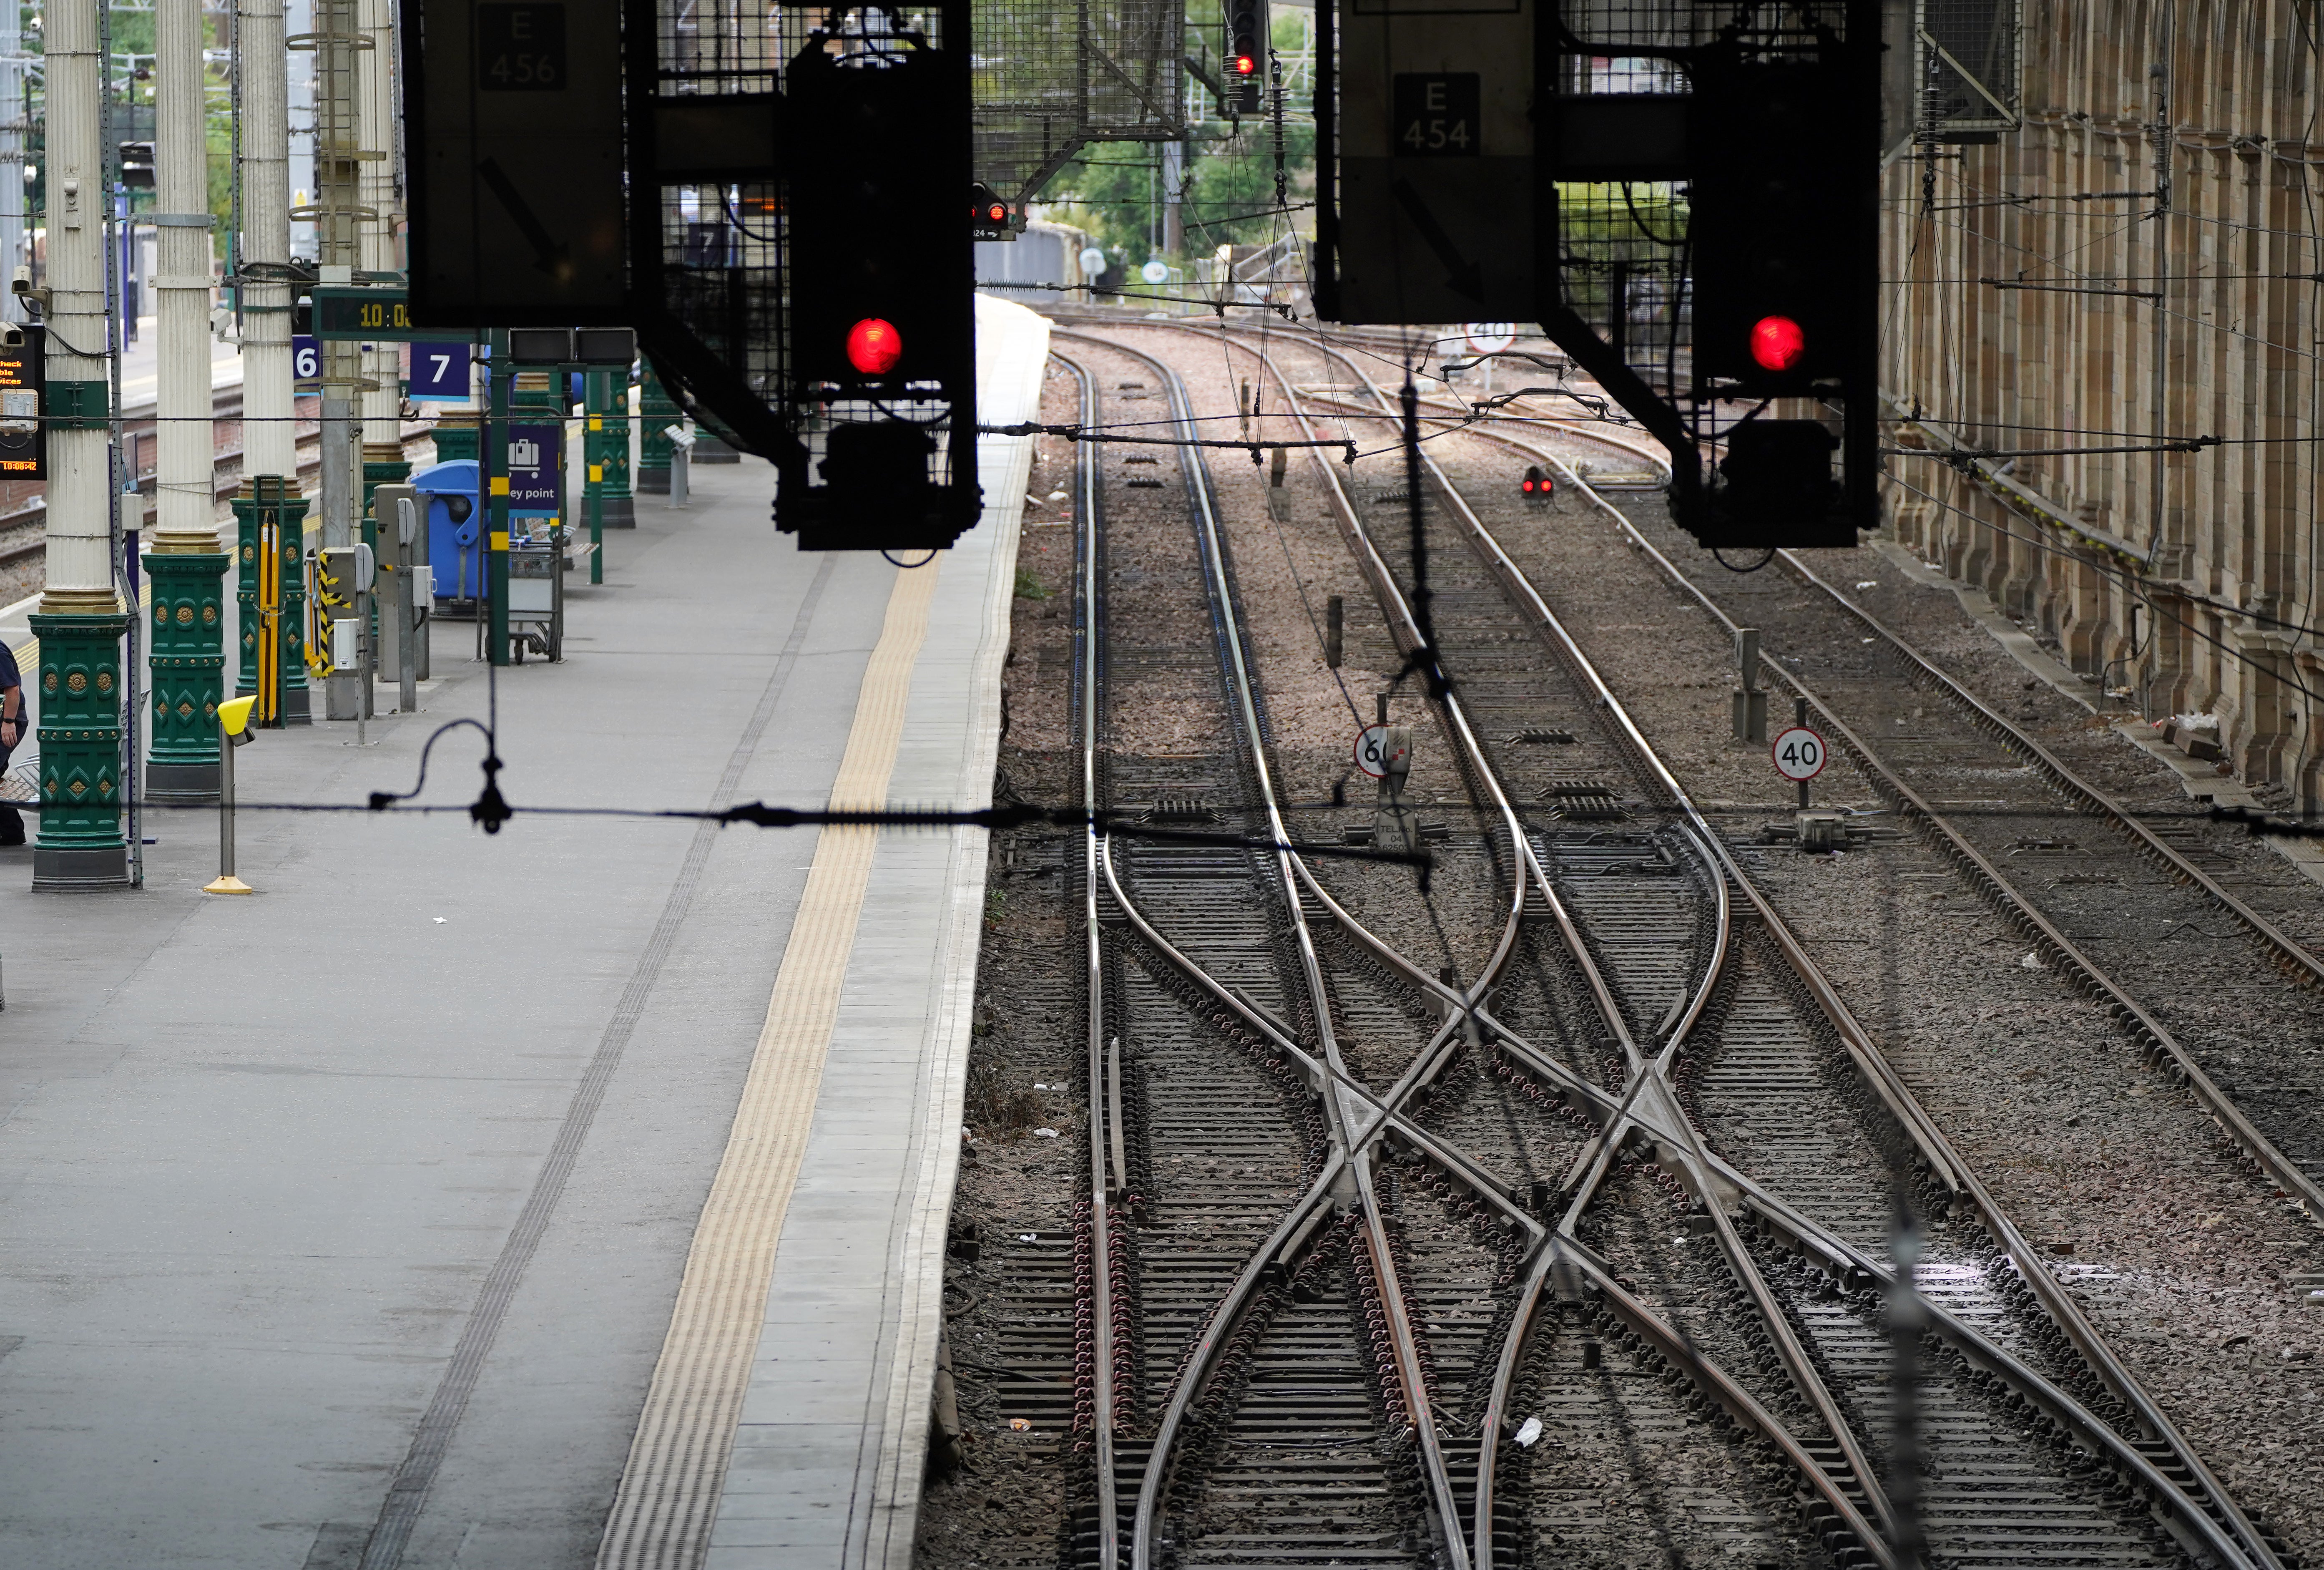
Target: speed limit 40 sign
[(1799, 754)]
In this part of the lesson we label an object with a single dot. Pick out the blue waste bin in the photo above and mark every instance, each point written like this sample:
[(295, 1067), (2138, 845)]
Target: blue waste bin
[(455, 528)]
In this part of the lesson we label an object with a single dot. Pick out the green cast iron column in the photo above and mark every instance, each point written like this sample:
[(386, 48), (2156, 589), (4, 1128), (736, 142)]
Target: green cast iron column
[(656, 414), (297, 704), (606, 449), (81, 844), (248, 513), (245, 588), (188, 665), (493, 472)]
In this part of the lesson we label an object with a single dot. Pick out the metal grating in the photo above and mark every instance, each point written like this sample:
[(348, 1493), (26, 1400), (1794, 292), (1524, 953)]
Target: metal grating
[(1966, 56), (1049, 78), (1623, 254)]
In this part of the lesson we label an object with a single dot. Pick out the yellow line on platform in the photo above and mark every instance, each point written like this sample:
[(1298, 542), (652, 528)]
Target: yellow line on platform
[(668, 1496)]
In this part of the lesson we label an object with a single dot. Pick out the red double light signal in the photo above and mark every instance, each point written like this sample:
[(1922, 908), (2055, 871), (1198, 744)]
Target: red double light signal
[(987, 215), (1537, 485)]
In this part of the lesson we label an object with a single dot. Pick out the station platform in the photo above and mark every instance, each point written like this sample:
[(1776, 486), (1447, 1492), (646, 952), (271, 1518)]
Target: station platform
[(573, 1196)]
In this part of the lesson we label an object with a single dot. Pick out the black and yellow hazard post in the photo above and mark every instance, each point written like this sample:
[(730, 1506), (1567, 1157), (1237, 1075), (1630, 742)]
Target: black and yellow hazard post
[(496, 498), (592, 474), (234, 731)]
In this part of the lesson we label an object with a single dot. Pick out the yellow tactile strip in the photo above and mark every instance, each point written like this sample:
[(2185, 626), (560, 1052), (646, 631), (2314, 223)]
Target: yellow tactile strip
[(668, 1496)]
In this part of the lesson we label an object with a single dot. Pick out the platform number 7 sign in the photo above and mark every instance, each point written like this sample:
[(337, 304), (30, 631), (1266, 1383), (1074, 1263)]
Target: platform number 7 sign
[(439, 373)]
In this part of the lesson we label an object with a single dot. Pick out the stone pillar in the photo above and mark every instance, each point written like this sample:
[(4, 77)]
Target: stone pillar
[(77, 684), (268, 400), (186, 568)]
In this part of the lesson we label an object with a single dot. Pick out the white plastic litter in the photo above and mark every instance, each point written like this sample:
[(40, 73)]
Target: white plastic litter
[(1044, 1134), (1869, 583), (1529, 1431), (2032, 960), (438, 919), (1029, 1237)]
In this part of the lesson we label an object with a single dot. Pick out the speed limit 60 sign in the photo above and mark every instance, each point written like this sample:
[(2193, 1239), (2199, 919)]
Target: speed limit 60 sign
[(1799, 754)]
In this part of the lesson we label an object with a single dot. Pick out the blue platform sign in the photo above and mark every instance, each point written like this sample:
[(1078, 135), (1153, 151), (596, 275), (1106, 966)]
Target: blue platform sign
[(306, 357), (439, 373), (536, 463)]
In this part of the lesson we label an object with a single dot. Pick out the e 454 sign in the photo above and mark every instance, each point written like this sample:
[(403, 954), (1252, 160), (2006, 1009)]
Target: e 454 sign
[(1436, 115)]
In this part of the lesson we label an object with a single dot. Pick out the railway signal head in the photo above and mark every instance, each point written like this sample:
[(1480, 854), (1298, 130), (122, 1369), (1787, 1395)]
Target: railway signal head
[(1777, 342), (987, 215), (1245, 48), (881, 369), (874, 346), (1536, 487)]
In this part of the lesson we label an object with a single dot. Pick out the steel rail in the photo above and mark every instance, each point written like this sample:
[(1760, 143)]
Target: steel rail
[(2185, 1518), (2287, 951), (1649, 1079), (1090, 678), (1242, 696), (2238, 1541)]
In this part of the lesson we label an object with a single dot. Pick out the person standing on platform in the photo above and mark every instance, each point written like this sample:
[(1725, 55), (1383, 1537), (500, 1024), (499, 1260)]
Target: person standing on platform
[(11, 734)]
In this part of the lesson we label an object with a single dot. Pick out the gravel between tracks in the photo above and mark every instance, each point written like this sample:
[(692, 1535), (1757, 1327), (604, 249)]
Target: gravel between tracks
[(2175, 1247), (2162, 1232)]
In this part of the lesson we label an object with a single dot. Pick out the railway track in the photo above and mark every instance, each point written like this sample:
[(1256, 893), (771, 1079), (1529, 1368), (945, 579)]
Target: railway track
[(1798, 1356), (2207, 984)]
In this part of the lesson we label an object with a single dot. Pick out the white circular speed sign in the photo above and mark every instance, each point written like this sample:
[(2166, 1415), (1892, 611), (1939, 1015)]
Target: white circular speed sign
[(1799, 754), (1372, 755), (1092, 262), (1490, 337), (1157, 270)]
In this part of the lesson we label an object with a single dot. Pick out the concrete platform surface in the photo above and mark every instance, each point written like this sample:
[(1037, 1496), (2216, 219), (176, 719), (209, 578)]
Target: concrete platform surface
[(343, 1225)]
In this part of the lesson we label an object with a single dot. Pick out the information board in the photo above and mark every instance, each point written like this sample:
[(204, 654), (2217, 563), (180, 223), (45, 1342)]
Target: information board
[(370, 313), (23, 386)]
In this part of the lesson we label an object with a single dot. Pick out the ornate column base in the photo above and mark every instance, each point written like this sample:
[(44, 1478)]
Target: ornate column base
[(619, 512), (188, 665), (81, 844), (652, 481)]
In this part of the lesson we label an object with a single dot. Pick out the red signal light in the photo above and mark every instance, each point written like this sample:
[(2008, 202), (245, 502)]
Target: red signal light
[(1777, 342), (996, 214), (1245, 64), (874, 346), (1528, 486)]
